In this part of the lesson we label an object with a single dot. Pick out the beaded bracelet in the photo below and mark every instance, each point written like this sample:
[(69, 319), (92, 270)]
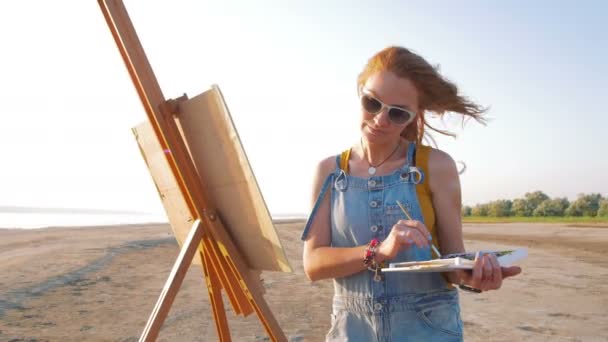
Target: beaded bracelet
[(370, 253), (369, 259)]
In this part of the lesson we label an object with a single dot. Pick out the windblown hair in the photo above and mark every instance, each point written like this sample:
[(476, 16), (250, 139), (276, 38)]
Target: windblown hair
[(437, 94)]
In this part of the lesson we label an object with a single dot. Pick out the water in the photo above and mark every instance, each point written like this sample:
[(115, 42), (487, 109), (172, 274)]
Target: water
[(42, 220), (37, 219)]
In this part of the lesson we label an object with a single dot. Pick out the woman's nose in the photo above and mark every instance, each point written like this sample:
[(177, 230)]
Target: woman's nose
[(382, 118)]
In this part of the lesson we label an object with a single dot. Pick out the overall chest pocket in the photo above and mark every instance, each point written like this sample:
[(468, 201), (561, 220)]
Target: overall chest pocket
[(393, 213)]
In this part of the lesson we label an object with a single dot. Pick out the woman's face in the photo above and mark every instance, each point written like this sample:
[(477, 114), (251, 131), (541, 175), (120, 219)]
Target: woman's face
[(391, 90)]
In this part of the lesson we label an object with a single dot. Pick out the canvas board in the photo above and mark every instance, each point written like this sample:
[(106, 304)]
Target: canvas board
[(174, 203), (222, 165)]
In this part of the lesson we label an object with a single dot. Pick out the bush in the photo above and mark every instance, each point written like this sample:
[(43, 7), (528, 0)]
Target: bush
[(585, 205), (603, 208), (552, 207), (466, 210), (499, 208), (534, 199), (520, 208), (480, 210)]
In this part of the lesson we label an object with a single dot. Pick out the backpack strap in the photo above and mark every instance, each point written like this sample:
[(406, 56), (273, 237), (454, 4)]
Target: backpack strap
[(344, 158)]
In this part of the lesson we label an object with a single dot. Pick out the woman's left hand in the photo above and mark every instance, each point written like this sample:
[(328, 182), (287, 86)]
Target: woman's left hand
[(487, 274)]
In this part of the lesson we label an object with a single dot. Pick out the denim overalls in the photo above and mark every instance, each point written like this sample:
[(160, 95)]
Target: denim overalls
[(397, 306)]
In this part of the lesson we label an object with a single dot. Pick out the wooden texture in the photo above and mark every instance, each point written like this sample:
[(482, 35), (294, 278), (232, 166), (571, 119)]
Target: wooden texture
[(180, 217), (217, 304), (160, 114), (167, 186), (169, 292), (220, 159)]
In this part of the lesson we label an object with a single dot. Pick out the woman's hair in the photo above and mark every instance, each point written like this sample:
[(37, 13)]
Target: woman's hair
[(437, 94)]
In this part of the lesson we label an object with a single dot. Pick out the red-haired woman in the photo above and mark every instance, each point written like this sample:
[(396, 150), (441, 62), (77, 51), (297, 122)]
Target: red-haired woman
[(356, 224)]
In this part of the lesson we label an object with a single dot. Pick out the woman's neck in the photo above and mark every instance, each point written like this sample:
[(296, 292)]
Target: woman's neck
[(381, 152)]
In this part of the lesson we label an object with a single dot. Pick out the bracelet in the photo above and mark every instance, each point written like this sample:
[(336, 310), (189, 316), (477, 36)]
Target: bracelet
[(369, 260), (469, 288), (369, 256)]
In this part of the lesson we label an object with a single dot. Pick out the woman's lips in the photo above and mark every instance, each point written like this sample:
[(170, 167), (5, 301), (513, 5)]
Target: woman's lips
[(374, 131)]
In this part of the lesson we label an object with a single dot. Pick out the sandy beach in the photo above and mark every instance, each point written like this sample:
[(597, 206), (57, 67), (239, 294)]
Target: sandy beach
[(101, 283)]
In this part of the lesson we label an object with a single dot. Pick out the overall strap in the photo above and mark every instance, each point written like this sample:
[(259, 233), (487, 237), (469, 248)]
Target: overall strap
[(328, 181)]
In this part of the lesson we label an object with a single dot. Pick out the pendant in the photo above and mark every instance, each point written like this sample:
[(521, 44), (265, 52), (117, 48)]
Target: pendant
[(371, 170)]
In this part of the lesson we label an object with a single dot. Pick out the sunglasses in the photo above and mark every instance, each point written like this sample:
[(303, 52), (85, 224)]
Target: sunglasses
[(397, 115)]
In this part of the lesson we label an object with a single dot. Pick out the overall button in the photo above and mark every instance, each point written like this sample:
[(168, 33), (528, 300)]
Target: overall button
[(374, 228), (373, 204), (378, 306), (371, 182)]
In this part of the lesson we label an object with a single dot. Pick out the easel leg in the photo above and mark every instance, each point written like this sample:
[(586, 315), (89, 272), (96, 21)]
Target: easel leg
[(230, 280), (271, 325), (174, 282), (215, 296)]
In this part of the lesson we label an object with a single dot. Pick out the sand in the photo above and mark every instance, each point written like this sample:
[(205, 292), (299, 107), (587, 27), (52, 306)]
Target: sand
[(101, 283)]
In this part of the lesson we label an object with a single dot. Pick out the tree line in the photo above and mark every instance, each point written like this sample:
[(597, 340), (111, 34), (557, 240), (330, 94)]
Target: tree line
[(537, 203)]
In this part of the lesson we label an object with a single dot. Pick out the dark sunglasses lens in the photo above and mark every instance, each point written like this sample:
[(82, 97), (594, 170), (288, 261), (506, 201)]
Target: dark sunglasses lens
[(370, 104), (398, 116)]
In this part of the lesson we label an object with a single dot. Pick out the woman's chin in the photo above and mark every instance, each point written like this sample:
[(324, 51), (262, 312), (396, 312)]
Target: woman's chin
[(373, 136)]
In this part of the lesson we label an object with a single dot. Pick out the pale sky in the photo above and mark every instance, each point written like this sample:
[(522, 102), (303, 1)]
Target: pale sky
[(288, 72)]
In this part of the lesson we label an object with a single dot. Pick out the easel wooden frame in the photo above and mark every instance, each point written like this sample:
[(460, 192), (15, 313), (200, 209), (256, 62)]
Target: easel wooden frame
[(223, 264)]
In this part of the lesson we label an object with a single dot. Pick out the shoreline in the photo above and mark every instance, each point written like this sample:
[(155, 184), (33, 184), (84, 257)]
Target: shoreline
[(282, 221), (136, 225)]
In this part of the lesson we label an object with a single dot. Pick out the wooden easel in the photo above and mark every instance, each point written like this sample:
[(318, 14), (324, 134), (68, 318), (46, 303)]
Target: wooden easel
[(223, 265)]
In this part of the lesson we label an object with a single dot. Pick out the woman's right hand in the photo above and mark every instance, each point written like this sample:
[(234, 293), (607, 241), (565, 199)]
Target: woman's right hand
[(403, 235)]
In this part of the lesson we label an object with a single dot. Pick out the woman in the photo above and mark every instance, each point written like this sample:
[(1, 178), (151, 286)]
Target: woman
[(357, 226)]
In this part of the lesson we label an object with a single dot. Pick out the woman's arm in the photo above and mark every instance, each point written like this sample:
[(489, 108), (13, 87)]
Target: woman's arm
[(447, 202), (320, 260), (446, 196)]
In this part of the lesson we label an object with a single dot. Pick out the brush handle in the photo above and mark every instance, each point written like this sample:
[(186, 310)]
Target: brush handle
[(410, 218)]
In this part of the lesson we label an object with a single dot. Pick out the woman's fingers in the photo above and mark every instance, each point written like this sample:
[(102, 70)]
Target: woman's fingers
[(496, 272), (413, 236), (486, 278), (477, 271), (492, 273), (487, 274), (419, 226), (510, 271)]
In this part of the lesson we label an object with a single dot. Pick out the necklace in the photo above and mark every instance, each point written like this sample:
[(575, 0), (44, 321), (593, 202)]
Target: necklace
[(372, 168)]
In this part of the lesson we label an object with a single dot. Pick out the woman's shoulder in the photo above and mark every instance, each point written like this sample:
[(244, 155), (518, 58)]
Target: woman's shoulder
[(331, 163), (326, 165), (324, 168), (441, 167), (437, 159)]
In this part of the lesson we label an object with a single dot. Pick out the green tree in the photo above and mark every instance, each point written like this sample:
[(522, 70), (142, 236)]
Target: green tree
[(603, 209), (535, 198), (480, 210), (552, 207), (466, 210), (520, 208), (585, 205), (499, 208)]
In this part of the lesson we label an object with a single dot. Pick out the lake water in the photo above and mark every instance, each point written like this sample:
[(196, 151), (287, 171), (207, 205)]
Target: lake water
[(33, 220)]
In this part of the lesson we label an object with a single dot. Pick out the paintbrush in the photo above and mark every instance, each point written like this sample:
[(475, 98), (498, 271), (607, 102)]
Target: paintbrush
[(410, 218)]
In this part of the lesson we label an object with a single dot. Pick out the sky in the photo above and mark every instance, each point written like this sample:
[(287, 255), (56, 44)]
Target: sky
[(288, 73)]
